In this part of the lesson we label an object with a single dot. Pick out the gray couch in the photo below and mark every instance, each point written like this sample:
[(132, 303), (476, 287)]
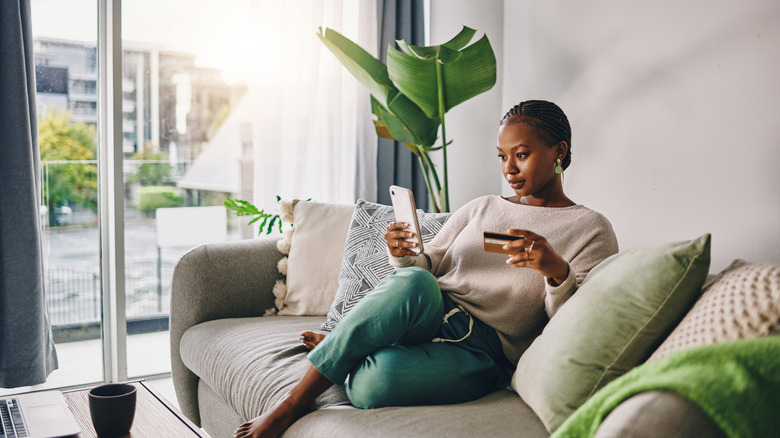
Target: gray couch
[(230, 364)]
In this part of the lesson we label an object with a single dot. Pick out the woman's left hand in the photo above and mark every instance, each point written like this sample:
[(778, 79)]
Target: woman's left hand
[(533, 251)]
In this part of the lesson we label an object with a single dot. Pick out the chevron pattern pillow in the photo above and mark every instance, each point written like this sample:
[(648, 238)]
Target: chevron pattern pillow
[(365, 261)]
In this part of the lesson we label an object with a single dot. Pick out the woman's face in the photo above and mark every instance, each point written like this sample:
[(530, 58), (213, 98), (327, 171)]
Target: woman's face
[(527, 163)]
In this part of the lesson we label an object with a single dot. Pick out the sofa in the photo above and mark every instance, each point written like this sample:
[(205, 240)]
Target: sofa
[(237, 309)]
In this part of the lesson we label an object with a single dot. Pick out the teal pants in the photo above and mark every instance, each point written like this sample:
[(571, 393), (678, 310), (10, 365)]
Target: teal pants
[(383, 351)]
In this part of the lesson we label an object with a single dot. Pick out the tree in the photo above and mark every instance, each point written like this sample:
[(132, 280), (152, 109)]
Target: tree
[(153, 170), (68, 162)]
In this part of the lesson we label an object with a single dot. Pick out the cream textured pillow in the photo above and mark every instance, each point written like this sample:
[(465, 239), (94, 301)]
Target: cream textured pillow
[(742, 303), (316, 248)]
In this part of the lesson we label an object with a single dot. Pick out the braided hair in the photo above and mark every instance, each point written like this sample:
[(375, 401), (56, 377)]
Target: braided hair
[(547, 118)]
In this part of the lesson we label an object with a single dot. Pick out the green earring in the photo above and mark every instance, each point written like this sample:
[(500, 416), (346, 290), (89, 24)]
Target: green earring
[(558, 168)]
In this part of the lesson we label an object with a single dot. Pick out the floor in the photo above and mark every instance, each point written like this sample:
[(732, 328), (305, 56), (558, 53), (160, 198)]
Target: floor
[(80, 364)]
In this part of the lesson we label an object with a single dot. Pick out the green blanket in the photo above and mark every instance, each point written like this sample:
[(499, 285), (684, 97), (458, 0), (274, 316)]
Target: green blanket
[(737, 383)]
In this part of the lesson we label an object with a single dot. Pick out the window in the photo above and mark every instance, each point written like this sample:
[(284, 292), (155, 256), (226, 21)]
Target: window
[(170, 105), (121, 180)]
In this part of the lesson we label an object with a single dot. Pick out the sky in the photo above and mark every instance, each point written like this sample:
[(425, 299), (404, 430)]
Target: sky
[(220, 34)]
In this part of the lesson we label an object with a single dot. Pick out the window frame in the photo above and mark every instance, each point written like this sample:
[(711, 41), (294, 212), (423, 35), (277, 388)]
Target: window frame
[(111, 191)]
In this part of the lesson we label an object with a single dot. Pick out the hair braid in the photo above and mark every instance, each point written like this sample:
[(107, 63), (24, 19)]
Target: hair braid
[(547, 118)]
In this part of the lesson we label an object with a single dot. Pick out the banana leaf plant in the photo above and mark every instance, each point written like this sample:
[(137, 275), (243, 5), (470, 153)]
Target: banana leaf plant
[(419, 84)]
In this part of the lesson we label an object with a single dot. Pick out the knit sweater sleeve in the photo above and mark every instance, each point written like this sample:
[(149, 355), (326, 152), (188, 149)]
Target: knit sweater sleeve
[(555, 296), (436, 248), (600, 243)]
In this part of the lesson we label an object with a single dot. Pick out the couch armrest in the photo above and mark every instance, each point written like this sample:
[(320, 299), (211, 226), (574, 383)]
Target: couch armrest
[(220, 280), (658, 414)]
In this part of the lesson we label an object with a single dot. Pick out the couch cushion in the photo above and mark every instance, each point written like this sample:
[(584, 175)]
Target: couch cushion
[(624, 308), (742, 303), (252, 362), (248, 364), (500, 414), (365, 261), (662, 414), (316, 250)]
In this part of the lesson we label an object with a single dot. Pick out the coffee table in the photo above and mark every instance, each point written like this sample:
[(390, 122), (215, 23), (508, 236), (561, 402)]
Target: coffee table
[(155, 417)]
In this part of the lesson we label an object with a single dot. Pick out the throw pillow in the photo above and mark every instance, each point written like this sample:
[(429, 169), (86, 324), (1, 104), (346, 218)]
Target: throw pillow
[(316, 247), (742, 303), (624, 308), (365, 261)]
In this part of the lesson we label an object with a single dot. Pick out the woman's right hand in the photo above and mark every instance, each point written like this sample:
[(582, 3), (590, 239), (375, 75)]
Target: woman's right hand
[(395, 235)]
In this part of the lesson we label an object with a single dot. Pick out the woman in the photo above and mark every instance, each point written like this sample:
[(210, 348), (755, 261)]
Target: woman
[(449, 326)]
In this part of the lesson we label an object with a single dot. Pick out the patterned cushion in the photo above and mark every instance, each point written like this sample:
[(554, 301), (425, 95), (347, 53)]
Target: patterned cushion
[(365, 261), (742, 302)]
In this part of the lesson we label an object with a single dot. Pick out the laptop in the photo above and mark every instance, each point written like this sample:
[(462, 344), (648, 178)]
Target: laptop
[(43, 414)]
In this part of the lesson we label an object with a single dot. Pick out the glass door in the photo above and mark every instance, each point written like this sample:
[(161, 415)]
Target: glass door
[(181, 78), (180, 161)]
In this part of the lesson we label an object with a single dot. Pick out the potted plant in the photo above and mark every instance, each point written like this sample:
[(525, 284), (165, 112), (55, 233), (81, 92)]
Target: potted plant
[(411, 94)]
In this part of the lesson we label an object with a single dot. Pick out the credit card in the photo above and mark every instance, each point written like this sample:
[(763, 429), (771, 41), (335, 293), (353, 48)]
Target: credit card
[(494, 242)]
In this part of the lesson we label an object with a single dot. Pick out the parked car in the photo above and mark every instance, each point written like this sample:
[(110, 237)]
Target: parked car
[(62, 215)]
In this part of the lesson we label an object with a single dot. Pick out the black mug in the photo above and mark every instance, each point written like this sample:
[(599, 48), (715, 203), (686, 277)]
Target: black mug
[(112, 408)]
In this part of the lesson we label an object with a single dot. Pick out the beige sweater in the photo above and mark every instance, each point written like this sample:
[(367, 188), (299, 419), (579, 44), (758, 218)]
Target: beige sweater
[(517, 302)]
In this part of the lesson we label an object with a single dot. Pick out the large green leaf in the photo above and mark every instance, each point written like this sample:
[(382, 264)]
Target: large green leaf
[(471, 75), (410, 123), (444, 54), (458, 42), (381, 127), (375, 105), (420, 130), (369, 71), (461, 39), (463, 77), (416, 78)]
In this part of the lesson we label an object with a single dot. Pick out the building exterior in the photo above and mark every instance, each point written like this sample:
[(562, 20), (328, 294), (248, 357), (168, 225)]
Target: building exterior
[(170, 105)]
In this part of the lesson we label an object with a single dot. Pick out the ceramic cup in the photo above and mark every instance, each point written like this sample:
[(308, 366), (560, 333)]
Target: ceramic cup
[(112, 408)]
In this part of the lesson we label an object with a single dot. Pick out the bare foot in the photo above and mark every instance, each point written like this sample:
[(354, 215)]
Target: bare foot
[(299, 402), (272, 423), (311, 339)]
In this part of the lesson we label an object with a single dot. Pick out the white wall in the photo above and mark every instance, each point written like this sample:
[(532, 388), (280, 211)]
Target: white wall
[(675, 108), (473, 166)]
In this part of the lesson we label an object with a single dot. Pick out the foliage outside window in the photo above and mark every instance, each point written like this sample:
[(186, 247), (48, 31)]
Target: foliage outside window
[(68, 161), (150, 198), (154, 169)]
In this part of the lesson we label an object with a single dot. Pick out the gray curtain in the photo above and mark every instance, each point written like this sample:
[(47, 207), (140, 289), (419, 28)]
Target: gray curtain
[(27, 354), (399, 20)]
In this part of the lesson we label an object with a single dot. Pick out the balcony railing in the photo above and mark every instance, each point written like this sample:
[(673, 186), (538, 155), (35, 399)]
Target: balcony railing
[(74, 295)]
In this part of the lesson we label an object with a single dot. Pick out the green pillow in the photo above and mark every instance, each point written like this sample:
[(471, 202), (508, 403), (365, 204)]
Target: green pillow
[(624, 309)]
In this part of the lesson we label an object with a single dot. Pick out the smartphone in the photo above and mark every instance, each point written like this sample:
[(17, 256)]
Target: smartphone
[(494, 242), (405, 211)]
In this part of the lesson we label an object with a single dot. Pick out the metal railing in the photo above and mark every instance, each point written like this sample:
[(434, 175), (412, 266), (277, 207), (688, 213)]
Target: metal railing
[(73, 295)]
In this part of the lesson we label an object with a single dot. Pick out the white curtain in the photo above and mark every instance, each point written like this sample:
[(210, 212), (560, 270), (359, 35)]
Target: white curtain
[(310, 119)]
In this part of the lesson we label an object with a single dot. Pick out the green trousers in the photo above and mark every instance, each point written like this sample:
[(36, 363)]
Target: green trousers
[(383, 349)]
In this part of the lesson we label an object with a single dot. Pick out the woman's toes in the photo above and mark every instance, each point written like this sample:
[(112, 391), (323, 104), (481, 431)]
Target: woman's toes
[(311, 339)]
